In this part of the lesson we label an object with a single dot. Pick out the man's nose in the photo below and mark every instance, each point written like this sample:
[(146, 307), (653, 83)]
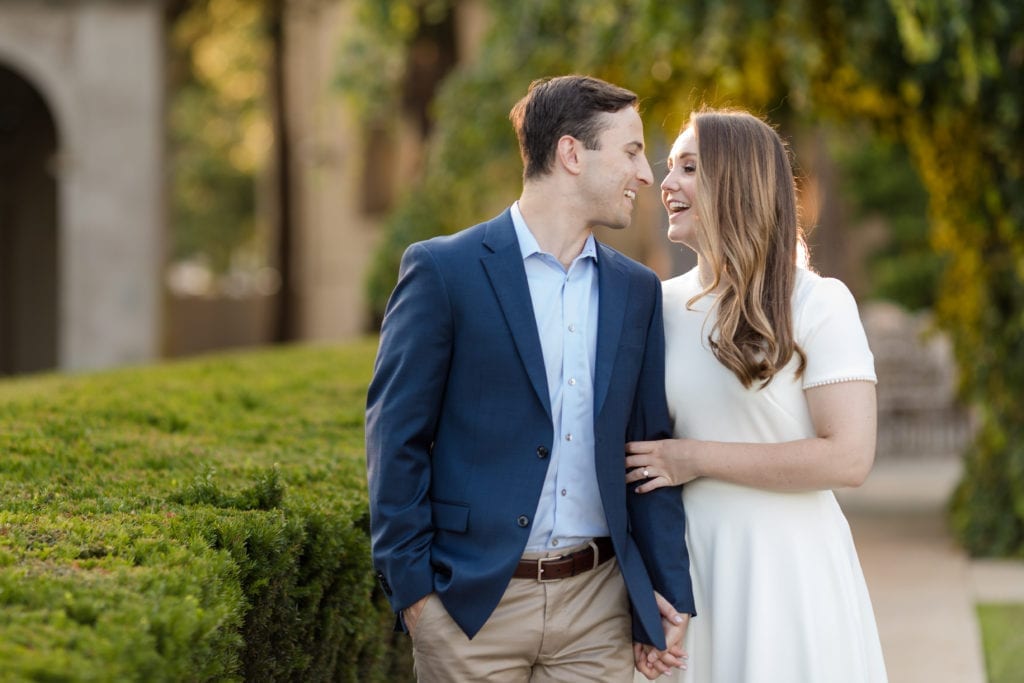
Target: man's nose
[(646, 175)]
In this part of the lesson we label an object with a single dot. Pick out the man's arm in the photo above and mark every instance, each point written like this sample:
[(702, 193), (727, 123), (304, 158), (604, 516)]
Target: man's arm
[(659, 524), (402, 408)]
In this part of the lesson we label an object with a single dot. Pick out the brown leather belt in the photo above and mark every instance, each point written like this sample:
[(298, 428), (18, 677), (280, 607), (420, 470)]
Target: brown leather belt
[(553, 568)]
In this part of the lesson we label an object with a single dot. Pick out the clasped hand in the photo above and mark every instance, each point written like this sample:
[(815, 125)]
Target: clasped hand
[(652, 662), (669, 462)]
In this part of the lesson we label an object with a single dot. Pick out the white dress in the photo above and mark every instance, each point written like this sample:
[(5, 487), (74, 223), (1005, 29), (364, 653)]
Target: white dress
[(780, 595)]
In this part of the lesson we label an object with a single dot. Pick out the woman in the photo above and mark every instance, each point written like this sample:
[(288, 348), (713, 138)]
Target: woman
[(771, 387)]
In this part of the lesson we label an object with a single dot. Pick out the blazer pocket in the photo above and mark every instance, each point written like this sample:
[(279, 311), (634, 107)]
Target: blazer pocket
[(449, 516), (633, 336)]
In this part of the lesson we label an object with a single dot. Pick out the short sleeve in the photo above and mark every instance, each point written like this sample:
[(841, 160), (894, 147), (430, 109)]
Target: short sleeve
[(830, 332)]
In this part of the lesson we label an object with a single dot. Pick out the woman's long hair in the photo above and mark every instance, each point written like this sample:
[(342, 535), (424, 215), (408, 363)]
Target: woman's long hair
[(748, 231)]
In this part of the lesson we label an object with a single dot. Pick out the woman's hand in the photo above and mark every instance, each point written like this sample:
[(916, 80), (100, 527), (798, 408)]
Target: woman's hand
[(669, 462), (653, 663), (840, 453)]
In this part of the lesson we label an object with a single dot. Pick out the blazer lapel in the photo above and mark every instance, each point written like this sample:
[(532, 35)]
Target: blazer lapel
[(504, 267), (613, 285)]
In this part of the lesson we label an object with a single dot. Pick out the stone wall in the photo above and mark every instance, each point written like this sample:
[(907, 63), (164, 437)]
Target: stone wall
[(99, 67)]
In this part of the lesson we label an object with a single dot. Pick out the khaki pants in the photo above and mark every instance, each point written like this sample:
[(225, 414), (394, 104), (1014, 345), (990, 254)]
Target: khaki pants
[(573, 629)]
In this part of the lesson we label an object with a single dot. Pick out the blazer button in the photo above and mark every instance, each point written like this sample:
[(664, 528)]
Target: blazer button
[(523, 521), (542, 452)]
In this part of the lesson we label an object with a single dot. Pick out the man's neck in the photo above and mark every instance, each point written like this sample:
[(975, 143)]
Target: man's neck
[(554, 220)]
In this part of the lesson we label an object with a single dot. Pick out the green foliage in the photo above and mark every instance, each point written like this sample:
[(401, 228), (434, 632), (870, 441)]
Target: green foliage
[(988, 505), (385, 30), (89, 598), (1002, 633), (197, 521), (944, 79), (968, 146), (879, 182), (219, 128), (265, 494)]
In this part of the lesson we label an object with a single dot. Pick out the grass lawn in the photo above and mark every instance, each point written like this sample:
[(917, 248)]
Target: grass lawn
[(1002, 633)]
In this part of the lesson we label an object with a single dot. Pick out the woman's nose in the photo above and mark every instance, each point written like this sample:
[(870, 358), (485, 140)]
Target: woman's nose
[(669, 184)]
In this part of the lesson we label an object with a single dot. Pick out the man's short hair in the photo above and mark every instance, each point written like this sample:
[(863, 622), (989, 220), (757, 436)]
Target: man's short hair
[(565, 105)]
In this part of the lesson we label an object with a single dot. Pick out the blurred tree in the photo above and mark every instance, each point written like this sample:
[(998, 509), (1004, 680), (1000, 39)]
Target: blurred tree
[(945, 78), (220, 128), (229, 135), (880, 183), (287, 323), (412, 48)]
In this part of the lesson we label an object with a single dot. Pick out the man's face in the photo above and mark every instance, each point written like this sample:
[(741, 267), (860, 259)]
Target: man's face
[(615, 172)]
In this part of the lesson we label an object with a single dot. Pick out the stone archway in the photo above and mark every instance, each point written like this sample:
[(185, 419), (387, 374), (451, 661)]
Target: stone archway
[(29, 308), (98, 66)]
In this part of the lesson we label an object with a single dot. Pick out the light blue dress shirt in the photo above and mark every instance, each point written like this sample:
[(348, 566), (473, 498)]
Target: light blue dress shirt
[(565, 306)]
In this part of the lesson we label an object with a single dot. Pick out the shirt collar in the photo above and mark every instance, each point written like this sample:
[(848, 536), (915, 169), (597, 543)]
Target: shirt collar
[(528, 245)]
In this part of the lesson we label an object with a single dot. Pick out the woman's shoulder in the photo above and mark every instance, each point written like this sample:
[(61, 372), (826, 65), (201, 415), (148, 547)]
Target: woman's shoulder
[(819, 300), (828, 328), (812, 289)]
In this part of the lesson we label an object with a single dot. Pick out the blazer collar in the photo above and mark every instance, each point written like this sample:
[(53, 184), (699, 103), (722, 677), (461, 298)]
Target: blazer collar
[(613, 285), (503, 263)]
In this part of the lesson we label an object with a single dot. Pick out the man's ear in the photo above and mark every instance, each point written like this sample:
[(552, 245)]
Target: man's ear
[(569, 154)]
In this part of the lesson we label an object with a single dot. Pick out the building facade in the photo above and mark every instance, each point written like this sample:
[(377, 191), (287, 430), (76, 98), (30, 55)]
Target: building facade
[(82, 216)]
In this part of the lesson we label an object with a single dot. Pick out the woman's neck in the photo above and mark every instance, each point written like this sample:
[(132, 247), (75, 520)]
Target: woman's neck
[(704, 272)]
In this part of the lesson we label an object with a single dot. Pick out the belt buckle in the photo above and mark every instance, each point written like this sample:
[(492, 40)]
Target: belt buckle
[(540, 567)]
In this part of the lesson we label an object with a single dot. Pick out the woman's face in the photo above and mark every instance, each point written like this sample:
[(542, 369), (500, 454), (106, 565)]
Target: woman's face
[(679, 190)]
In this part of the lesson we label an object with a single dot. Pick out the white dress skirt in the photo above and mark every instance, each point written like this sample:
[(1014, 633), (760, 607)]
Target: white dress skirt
[(780, 595)]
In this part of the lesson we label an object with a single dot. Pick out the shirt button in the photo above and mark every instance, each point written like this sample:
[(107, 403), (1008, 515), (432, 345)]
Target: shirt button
[(563, 492), (542, 452), (523, 521), (572, 327), (568, 437), (572, 381), (554, 542)]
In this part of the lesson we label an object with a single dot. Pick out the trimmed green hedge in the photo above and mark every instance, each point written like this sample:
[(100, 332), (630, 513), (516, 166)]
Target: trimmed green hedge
[(193, 521)]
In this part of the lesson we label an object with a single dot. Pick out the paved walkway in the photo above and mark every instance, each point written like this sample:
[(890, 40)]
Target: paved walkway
[(923, 587)]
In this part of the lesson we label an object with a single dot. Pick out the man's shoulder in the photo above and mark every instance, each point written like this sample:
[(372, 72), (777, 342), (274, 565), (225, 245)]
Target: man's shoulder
[(465, 239)]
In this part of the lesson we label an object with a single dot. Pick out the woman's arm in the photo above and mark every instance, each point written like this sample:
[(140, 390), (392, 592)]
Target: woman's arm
[(845, 419)]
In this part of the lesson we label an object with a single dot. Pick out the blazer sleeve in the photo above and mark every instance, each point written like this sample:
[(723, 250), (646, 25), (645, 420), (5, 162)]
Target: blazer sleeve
[(657, 518), (402, 408)]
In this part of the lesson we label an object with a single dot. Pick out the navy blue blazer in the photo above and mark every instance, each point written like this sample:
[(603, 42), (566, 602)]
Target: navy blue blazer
[(458, 428)]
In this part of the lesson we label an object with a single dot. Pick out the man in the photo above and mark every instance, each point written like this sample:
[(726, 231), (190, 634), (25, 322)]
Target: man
[(516, 359)]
